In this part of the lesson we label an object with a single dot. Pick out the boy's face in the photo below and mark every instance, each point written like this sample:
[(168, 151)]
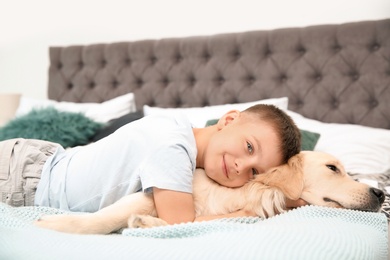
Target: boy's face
[(242, 147)]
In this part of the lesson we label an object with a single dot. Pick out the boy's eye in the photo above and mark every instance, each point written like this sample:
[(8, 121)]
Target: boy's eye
[(250, 150), (250, 147)]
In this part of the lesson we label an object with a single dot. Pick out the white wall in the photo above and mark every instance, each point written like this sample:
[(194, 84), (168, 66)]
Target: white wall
[(28, 28)]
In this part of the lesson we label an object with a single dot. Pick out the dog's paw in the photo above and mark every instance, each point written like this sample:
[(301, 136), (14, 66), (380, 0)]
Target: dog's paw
[(144, 221)]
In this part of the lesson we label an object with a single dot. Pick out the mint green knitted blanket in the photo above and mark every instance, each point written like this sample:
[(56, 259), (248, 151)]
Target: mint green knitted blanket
[(308, 232)]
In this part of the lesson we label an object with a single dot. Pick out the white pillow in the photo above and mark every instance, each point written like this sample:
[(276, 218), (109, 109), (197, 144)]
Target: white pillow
[(100, 112), (361, 149), (200, 115)]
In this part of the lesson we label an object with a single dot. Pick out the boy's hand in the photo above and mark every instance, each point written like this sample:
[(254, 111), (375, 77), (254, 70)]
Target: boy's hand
[(236, 214), (244, 213), (290, 204), (174, 207)]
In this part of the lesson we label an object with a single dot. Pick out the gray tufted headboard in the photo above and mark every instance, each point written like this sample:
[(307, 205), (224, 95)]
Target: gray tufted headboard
[(332, 73)]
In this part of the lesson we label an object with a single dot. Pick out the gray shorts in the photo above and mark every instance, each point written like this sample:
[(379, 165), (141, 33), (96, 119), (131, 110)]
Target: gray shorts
[(21, 163)]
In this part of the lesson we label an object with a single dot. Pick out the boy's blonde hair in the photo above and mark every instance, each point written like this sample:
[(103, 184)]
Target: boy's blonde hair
[(288, 133)]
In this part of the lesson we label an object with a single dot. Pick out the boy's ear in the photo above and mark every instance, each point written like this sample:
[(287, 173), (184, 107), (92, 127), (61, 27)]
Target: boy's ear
[(228, 118)]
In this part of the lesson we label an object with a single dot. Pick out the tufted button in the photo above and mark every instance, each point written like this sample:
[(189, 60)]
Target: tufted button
[(70, 85), (283, 78), (301, 50), (335, 104), (165, 81), (59, 65), (206, 56), (251, 79), (205, 103), (237, 54), (178, 102), (299, 104), (354, 76), (375, 47), (153, 59), (234, 100), (221, 80), (128, 61), (267, 52), (115, 83), (192, 80), (91, 84), (337, 48), (374, 103), (103, 62), (179, 58), (81, 64), (139, 82), (318, 77)]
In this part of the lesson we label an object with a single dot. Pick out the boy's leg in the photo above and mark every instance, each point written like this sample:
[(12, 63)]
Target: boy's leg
[(109, 219), (21, 163)]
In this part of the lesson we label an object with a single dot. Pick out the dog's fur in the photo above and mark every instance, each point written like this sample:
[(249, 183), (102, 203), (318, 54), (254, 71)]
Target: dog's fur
[(317, 178)]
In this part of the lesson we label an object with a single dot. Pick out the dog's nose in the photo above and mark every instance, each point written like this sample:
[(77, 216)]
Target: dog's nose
[(378, 193)]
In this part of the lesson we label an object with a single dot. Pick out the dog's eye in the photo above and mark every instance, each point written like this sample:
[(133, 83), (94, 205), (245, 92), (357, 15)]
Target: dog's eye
[(332, 167)]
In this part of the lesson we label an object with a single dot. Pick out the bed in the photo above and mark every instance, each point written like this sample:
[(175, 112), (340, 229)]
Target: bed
[(333, 80)]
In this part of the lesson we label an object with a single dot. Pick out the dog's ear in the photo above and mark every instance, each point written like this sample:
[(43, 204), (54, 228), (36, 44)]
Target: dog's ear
[(287, 177)]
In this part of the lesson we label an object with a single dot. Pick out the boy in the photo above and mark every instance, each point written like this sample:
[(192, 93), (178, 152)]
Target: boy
[(155, 154)]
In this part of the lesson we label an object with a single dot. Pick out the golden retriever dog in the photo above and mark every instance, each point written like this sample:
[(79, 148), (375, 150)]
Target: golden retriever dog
[(317, 178)]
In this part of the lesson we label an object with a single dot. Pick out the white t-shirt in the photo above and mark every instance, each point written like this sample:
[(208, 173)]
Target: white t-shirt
[(155, 151)]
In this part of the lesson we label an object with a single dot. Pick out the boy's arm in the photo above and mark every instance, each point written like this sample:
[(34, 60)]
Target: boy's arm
[(239, 213), (178, 207), (174, 206), (290, 204)]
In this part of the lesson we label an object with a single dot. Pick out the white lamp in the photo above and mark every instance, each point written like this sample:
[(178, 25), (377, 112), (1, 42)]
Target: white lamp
[(9, 103)]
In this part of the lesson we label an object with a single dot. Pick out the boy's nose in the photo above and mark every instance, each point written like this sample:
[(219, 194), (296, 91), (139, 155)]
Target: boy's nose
[(237, 167), (243, 165)]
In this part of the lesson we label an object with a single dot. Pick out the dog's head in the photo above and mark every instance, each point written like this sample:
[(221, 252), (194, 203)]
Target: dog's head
[(320, 179)]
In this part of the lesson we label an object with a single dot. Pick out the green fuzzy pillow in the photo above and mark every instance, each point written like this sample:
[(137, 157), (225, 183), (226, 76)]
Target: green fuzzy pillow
[(66, 128), (309, 139)]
